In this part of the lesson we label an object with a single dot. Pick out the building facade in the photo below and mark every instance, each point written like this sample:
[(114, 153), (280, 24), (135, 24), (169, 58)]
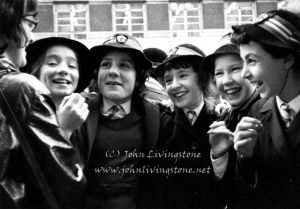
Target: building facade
[(156, 23)]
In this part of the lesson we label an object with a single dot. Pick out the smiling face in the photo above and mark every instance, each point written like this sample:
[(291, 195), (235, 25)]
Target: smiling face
[(232, 87), (182, 87), (261, 69), (59, 71), (117, 77)]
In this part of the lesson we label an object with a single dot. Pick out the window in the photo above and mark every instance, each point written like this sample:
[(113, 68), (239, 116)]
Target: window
[(185, 19), (129, 18), (71, 20), (237, 13)]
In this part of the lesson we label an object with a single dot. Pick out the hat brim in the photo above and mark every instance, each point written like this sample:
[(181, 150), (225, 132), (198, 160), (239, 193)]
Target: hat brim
[(98, 52), (37, 48), (260, 35), (160, 69), (208, 62)]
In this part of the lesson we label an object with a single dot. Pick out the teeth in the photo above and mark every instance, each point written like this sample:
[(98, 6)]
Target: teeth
[(232, 91), (61, 81), (179, 94)]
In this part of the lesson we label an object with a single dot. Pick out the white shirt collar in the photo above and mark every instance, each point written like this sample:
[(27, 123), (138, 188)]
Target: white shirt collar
[(197, 109), (107, 104), (294, 103)]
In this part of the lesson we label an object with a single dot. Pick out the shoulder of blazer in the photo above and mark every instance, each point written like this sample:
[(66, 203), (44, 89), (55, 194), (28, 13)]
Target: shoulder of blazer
[(261, 107)]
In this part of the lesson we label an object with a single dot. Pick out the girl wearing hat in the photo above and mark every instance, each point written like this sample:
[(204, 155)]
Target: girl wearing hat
[(63, 66), (268, 158), (38, 166), (185, 131), (120, 129), (226, 65)]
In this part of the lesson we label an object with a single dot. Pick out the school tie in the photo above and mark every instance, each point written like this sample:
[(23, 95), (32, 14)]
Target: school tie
[(288, 114), (191, 116), (115, 112)]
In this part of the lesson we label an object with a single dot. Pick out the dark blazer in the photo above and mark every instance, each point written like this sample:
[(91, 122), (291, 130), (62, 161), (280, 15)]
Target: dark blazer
[(271, 179), (187, 191), (85, 138)]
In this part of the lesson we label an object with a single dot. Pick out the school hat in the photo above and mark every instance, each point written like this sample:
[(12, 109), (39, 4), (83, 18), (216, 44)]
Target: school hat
[(155, 55), (208, 62), (121, 41), (278, 28), (37, 48), (182, 50)]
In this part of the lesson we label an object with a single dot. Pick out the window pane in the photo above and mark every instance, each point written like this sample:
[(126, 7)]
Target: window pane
[(79, 28), (63, 22), (247, 19), (64, 28), (246, 12), (178, 27), (64, 35), (232, 19), (122, 27), (192, 13), (63, 15), (193, 34), (137, 21), (137, 14), (136, 6), (120, 6), (193, 19), (178, 20), (120, 14), (80, 14), (80, 36), (81, 21), (138, 35), (193, 27), (138, 27)]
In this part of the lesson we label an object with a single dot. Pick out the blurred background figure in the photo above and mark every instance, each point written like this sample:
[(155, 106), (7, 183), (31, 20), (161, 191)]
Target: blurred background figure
[(154, 83)]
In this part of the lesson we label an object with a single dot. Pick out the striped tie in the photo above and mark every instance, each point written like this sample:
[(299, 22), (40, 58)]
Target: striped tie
[(288, 114), (191, 115), (115, 112)]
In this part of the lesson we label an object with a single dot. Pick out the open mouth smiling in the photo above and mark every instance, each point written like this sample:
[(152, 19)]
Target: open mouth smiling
[(61, 81)]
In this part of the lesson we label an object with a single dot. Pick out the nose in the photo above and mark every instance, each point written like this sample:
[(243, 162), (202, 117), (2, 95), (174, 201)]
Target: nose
[(175, 84), (114, 70), (245, 72), (62, 69), (227, 79)]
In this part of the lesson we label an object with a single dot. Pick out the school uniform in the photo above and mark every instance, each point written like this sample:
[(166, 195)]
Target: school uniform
[(187, 190), (271, 178), (136, 132)]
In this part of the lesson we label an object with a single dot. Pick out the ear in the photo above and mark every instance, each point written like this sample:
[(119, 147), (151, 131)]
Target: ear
[(289, 61)]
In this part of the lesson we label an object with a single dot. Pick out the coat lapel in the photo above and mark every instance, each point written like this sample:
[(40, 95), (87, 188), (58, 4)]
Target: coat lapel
[(181, 120), (151, 124), (92, 123), (272, 123)]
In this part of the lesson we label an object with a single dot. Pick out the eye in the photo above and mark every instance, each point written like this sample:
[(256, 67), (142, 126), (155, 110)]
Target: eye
[(183, 75), (125, 65), (218, 74), (73, 66), (105, 64), (251, 61), (236, 69), (52, 63)]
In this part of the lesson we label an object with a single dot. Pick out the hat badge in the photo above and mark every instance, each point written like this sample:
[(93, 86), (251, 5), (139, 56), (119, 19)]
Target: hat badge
[(121, 39)]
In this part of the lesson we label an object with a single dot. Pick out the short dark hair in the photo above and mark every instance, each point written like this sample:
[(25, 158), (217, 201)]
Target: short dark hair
[(204, 78), (141, 74), (12, 13), (239, 38)]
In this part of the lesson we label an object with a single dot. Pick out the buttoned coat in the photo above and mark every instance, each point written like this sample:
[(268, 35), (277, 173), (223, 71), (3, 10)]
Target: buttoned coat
[(187, 191), (271, 179)]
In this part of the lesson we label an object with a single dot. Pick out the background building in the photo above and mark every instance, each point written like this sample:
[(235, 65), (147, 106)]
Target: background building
[(156, 23)]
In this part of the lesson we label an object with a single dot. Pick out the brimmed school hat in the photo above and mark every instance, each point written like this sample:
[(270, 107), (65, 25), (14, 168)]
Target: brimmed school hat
[(208, 62), (123, 42), (182, 50), (37, 48), (278, 28)]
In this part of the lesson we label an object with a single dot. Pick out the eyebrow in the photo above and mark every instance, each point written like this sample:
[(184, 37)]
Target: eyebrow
[(54, 56)]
